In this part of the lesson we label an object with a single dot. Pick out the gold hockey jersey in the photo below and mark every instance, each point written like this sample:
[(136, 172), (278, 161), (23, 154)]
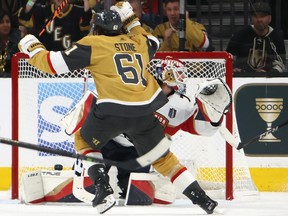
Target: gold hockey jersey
[(118, 67), (195, 36)]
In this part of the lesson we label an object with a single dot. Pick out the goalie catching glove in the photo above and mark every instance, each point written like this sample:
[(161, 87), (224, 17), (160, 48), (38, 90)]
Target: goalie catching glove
[(30, 45), (128, 17), (214, 99)]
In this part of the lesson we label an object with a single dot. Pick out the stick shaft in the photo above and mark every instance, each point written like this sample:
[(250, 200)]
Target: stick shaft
[(131, 164), (271, 130), (56, 12)]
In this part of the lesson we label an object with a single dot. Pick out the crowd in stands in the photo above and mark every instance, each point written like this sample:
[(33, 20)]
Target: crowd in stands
[(258, 47)]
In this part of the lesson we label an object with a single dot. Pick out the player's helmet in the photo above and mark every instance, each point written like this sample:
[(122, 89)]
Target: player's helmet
[(107, 22), (173, 72)]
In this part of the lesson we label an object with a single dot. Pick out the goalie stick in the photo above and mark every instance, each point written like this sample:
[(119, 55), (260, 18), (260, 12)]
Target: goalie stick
[(132, 164), (271, 130)]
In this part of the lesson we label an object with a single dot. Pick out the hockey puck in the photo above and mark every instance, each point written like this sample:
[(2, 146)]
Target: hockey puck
[(58, 167)]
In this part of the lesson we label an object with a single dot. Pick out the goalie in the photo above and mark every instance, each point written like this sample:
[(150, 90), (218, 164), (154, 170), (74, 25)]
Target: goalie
[(196, 106)]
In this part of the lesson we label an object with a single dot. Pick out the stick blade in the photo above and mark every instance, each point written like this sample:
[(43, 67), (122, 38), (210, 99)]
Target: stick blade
[(240, 146)]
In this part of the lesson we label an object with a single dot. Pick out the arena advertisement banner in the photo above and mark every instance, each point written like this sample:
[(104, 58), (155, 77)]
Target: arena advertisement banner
[(258, 107), (52, 106), (39, 123)]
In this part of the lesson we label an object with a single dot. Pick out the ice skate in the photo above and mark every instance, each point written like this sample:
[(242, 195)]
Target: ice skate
[(201, 199), (104, 199)]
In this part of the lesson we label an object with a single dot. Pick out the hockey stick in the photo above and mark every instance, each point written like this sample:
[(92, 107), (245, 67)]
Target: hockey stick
[(228, 136), (132, 164), (260, 136), (52, 17)]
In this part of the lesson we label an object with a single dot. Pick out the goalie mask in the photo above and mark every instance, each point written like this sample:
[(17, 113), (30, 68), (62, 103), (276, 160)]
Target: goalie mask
[(173, 73), (107, 23)]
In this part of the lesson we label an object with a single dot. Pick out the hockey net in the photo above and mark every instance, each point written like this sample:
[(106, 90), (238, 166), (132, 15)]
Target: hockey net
[(40, 100)]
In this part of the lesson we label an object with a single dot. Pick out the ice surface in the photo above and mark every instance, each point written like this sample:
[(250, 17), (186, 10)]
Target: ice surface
[(264, 204)]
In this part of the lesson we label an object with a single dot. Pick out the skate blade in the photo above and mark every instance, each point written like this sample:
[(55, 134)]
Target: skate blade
[(110, 202)]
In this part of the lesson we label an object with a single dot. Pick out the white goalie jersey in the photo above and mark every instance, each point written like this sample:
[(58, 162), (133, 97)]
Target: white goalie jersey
[(177, 110)]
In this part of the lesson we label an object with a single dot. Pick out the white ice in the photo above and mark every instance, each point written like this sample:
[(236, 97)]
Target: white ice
[(264, 204)]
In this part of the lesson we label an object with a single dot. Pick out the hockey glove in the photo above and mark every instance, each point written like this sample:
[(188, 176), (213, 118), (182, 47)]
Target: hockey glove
[(30, 45), (78, 167), (128, 17)]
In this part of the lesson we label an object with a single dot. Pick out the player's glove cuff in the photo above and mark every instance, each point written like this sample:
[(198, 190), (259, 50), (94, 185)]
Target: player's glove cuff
[(131, 22), (30, 45), (128, 17)]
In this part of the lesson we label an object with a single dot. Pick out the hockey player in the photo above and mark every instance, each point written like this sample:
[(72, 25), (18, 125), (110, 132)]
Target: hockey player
[(127, 97)]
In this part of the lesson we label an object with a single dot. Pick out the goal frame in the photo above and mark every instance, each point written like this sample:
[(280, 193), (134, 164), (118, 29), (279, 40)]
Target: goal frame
[(160, 55)]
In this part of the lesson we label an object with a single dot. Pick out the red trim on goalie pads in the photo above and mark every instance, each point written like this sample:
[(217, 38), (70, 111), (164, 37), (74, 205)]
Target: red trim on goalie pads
[(38, 201), (141, 193), (66, 194), (87, 105), (187, 126), (183, 169), (163, 202)]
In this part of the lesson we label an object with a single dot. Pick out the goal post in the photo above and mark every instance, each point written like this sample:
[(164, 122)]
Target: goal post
[(202, 65), (39, 101)]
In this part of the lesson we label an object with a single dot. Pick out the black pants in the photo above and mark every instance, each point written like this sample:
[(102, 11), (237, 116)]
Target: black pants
[(144, 131)]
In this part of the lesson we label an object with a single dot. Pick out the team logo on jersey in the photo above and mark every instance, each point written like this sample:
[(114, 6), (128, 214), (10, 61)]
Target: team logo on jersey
[(172, 113), (162, 119), (95, 141)]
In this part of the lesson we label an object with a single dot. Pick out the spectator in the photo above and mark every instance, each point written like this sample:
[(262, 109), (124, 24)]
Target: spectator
[(138, 10), (9, 38), (150, 6), (167, 33), (151, 14), (13, 7), (70, 25), (258, 47)]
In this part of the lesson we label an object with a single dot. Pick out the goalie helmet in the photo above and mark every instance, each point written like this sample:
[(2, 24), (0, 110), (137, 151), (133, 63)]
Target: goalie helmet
[(172, 72), (107, 23)]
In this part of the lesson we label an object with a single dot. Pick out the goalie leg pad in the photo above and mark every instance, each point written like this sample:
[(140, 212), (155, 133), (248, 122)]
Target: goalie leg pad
[(75, 118), (165, 191), (141, 192)]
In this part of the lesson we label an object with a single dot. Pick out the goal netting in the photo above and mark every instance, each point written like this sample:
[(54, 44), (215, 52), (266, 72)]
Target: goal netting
[(40, 100)]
